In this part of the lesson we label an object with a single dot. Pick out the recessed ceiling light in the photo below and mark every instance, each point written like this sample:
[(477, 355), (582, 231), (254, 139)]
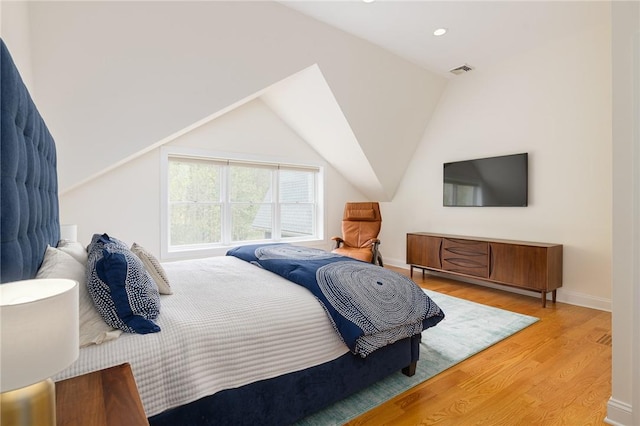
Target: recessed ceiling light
[(368, 1), (440, 32)]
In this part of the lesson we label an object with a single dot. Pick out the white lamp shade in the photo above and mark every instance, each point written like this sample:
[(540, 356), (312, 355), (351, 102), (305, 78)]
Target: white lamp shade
[(38, 330), (69, 232)]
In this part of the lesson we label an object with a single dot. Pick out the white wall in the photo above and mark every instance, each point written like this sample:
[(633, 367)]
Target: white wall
[(125, 202), (554, 103), (14, 30)]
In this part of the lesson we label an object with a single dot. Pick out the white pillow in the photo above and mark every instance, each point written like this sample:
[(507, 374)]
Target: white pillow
[(153, 267), (93, 329), (75, 249)]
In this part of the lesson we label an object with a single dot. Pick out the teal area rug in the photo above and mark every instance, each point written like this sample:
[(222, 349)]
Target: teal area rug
[(467, 329)]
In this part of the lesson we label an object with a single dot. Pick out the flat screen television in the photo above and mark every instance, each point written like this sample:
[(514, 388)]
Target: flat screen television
[(487, 182)]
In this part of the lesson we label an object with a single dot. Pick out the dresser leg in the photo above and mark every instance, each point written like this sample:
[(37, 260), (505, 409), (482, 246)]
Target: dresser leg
[(553, 297)]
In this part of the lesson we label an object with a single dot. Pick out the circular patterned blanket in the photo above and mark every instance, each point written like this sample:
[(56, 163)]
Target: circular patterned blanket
[(368, 305)]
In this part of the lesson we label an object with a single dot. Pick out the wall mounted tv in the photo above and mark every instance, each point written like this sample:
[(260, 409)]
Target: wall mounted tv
[(487, 182)]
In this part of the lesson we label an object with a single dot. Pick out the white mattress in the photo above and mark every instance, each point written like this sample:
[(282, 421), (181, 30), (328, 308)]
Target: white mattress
[(228, 323)]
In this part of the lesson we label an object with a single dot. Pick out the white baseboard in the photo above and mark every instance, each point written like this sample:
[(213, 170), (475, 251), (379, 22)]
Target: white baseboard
[(564, 296), (619, 413), (585, 300)]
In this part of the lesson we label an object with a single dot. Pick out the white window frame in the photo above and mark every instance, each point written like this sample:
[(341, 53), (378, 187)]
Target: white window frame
[(218, 249)]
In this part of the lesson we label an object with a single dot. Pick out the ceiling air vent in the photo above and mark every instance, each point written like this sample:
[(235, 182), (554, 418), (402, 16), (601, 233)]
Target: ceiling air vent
[(461, 69)]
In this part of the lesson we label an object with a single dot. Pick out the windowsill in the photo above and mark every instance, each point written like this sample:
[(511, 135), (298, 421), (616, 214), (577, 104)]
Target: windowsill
[(198, 253)]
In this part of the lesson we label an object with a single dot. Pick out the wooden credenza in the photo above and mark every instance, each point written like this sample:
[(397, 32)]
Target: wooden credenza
[(521, 264)]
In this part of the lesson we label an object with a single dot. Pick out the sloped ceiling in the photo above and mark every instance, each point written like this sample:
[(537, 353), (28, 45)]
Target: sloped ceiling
[(116, 79), (305, 102)]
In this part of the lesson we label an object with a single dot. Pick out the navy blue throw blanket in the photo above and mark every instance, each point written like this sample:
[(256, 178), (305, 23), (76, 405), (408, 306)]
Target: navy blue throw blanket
[(369, 306)]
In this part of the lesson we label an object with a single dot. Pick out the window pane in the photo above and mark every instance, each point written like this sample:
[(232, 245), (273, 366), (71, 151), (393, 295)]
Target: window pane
[(214, 201), (193, 180), (296, 186), (251, 222), (195, 224), (250, 184), (297, 220)]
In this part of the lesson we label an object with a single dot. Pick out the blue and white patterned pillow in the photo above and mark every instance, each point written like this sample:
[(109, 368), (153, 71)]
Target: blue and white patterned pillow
[(123, 291)]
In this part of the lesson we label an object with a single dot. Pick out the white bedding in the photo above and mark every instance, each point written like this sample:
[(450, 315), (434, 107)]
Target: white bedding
[(227, 324)]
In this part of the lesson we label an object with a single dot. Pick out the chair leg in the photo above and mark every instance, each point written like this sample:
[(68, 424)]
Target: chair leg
[(377, 257)]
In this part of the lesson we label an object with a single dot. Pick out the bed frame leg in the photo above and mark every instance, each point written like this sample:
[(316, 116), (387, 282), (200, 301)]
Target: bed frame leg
[(410, 370)]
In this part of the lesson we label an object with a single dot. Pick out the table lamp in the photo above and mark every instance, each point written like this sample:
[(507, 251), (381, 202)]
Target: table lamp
[(38, 338), (69, 232)]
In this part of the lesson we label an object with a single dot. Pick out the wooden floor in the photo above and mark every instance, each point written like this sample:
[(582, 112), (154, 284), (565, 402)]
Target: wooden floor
[(555, 372)]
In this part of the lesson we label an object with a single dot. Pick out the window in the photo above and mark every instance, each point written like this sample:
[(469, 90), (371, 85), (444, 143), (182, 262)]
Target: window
[(215, 202)]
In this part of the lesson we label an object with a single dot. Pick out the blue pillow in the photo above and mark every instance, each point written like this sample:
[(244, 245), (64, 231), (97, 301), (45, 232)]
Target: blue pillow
[(121, 288)]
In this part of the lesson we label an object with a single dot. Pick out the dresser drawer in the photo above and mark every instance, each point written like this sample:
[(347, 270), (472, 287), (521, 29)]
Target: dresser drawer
[(466, 247), (466, 257)]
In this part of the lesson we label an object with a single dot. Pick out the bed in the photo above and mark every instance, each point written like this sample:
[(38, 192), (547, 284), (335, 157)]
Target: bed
[(270, 354)]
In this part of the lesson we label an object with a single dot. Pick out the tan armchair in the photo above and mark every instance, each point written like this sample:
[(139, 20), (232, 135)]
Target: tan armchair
[(361, 224)]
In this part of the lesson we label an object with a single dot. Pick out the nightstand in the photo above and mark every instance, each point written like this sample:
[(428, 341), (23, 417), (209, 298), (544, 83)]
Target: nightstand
[(102, 398)]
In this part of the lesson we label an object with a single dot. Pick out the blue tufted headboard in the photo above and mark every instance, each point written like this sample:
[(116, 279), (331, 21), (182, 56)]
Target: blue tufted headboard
[(29, 217)]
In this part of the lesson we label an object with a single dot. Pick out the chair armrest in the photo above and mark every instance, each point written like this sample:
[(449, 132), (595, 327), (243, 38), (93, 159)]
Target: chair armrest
[(373, 242), (338, 241)]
